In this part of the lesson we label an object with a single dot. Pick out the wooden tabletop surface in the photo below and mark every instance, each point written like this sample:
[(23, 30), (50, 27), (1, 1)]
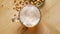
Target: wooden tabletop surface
[(49, 24)]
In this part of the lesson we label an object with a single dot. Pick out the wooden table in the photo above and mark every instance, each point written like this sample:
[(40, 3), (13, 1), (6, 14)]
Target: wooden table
[(49, 24)]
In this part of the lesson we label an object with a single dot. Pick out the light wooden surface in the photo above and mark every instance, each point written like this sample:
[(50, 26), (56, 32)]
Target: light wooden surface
[(50, 21)]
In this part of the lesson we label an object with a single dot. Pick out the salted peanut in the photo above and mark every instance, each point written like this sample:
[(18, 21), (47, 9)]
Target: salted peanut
[(32, 3)]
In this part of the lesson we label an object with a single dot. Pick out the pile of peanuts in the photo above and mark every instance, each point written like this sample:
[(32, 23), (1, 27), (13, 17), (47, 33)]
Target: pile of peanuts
[(19, 4)]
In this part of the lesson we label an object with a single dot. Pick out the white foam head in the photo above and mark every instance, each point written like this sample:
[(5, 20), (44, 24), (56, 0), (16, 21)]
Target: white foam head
[(30, 16)]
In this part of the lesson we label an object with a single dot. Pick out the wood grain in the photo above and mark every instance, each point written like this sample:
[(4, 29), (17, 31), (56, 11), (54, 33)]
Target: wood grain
[(50, 21)]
